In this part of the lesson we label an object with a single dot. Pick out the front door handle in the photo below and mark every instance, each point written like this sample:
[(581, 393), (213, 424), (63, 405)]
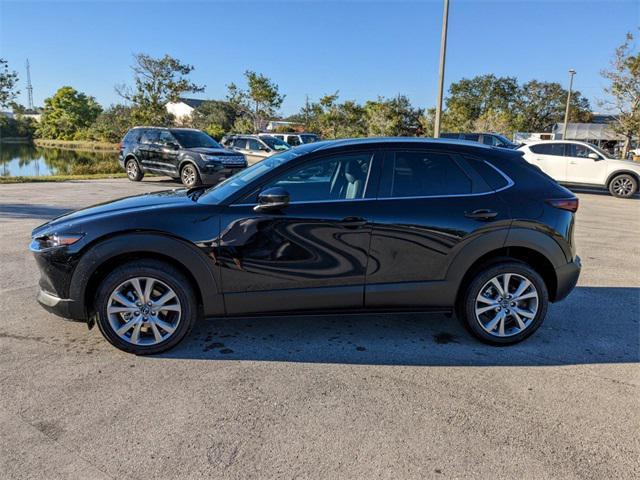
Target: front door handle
[(353, 222), (481, 214)]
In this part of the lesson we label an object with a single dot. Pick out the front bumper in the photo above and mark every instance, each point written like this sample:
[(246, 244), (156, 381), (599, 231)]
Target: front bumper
[(216, 174), (567, 278), (63, 307)]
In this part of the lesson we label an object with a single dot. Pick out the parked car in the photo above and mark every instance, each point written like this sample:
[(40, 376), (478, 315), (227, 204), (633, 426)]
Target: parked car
[(584, 164), (294, 139), (185, 154), (255, 147), (493, 139), (360, 225)]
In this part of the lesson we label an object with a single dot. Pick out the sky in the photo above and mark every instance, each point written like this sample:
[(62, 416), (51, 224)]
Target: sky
[(363, 49)]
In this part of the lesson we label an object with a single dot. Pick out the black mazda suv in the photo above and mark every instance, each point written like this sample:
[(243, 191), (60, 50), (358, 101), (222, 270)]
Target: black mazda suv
[(366, 225), (188, 155)]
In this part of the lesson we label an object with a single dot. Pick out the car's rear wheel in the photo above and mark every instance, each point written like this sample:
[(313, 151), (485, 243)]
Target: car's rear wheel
[(145, 307), (504, 303), (623, 186), (134, 172), (190, 176)]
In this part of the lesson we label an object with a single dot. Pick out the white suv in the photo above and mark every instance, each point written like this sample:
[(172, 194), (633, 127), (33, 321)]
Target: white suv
[(580, 163)]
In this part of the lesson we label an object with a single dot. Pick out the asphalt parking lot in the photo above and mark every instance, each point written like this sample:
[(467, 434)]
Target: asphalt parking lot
[(381, 396)]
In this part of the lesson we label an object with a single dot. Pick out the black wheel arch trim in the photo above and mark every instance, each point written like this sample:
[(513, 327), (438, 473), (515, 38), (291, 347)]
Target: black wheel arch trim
[(193, 260), (483, 245), (622, 172)]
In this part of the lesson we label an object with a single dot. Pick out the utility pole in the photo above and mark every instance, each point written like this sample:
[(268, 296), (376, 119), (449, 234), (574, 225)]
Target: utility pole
[(443, 54), (29, 88), (572, 72)]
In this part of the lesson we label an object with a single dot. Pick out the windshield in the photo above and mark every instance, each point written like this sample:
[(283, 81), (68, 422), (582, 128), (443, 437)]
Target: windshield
[(275, 143), (194, 139), (504, 140), (308, 138), (602, 152), (241, 179)]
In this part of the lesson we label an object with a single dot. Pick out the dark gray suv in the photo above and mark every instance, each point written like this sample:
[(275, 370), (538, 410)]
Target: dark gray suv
[(185, 154)]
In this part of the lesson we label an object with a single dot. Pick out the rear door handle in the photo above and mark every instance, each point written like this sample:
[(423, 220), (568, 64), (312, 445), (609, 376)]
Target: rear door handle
[(353, 222), (481, 214)]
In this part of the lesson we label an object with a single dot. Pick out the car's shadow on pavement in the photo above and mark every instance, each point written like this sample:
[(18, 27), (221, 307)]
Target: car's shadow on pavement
[(27, 211), (594, 325)]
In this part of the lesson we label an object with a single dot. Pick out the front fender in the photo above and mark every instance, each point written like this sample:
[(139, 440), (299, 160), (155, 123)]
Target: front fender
[(188, 255)]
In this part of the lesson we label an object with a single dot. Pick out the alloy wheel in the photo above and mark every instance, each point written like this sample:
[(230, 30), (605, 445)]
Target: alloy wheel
[(622, 186), (188, 175), (144, 311), (506, 305), (132, 169)]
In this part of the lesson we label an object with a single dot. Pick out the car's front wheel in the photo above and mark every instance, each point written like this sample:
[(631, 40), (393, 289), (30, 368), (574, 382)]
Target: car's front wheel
[(504, 303), (145, 307), (190, 176), (134, 172), (623, 186)]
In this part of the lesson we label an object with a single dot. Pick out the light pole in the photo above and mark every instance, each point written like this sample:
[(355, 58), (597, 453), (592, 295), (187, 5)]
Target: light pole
[(572, 72), (443, 54)]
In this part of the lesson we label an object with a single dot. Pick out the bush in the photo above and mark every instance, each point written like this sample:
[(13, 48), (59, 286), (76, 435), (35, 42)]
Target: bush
[(21, 127)]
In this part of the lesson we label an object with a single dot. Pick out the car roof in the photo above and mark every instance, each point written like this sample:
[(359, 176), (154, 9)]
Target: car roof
[(391, 141), (536, 142)]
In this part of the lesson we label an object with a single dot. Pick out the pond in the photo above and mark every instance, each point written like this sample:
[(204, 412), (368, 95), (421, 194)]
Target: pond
[(29, 160)]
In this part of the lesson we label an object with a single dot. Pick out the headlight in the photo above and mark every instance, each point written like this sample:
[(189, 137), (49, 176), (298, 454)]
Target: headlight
[(210, 158), (55, 240)]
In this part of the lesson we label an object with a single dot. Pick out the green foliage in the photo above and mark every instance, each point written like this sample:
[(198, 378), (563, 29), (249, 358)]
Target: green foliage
[(541, 104), (624, 91), (215, 130), (21, 127), (8, 81), (259, 102), (157, 81), (284, 129), (395, 117), (110, 126), (214, 112), (332, 119), (243, 125), (67, 113)]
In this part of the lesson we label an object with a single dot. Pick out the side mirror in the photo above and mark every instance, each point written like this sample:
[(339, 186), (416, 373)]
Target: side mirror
[(594, 156), (274, 198), (173, 146)]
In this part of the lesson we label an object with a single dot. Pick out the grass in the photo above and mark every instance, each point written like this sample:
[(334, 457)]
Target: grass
[(89, 146), (60, 178)]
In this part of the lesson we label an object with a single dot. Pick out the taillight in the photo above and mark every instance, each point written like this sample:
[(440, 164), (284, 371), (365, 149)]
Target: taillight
[(570, 204)]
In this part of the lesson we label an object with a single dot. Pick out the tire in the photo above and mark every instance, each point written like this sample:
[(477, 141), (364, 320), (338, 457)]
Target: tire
[(134, 172), (159, 330), (623, 186), (190, 176), (483, 318)]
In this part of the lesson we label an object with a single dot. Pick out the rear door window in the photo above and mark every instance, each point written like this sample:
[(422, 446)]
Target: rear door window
[(150, 136), (556, 149), (423, 174), (240, 143)]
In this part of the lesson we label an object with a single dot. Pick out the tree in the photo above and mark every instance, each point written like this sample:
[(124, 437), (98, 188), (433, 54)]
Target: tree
[(332, 119), (472, 98), (8, 81), (393, 117), (157, 82), (624, 90), (540, 105), (214, 112), (111, 125), (259, 102), (67, 113)]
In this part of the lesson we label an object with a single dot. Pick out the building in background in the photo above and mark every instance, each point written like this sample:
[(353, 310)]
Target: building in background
[(183, 108)]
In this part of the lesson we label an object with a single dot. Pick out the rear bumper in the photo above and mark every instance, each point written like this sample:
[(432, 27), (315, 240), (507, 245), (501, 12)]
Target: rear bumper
[(63, 307), (567, 278)]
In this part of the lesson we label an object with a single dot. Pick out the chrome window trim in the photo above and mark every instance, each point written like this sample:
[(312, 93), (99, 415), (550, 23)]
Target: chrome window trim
[(510, 183)]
